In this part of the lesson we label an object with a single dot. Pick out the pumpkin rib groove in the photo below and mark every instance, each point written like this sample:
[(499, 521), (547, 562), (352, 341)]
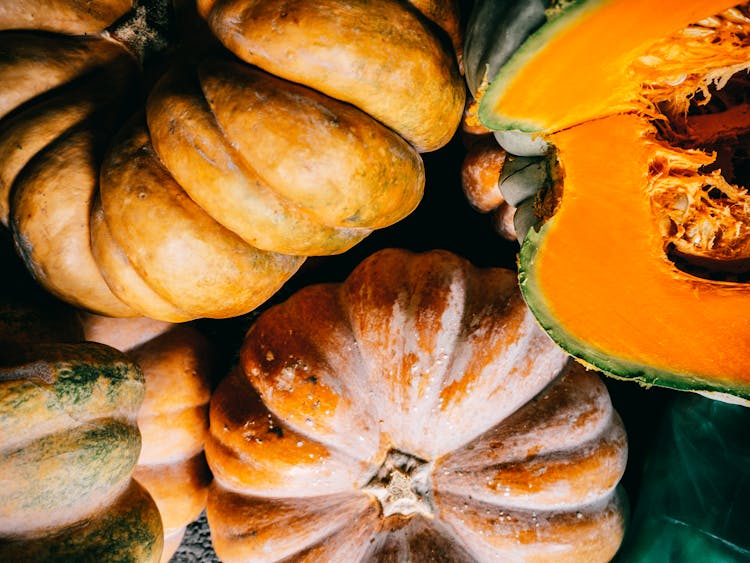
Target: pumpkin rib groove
[(190, 232), (420, 539), (45, 431), (126, 280), (290, 525), (20, 126), (576, 469), (588, 534), (308, 394), (283, 201), (72, 261), (365, 176), (255, 35), (337, 193), (378, 331), (573, 400), (267, 470), (252, 199)]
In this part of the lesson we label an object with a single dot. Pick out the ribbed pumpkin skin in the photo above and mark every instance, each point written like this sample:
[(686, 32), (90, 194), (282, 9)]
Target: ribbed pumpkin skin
[(381, 57), (69, 446), (62, 98), (413, 411), (173, 420), (209, 202)]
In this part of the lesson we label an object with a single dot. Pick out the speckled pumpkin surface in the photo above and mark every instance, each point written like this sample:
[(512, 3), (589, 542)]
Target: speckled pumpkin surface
[(68, 448), (414, 411)]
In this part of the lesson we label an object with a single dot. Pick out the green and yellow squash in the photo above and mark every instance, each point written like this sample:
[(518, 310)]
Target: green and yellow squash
[(637, 112), (68, 445)]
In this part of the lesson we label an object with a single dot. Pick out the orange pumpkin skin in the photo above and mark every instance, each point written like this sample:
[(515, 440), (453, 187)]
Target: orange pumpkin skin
[(414, 411), (375, 56), (173, 419), (190, 216), (66, 87)]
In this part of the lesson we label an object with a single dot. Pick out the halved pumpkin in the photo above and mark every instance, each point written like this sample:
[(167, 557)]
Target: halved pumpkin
[(640, 263)]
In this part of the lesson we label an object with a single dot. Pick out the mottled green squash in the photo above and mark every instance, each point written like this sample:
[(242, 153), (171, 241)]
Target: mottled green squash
[(69, 442)]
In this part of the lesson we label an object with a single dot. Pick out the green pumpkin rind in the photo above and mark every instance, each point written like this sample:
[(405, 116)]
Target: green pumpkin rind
[(67, 417), (129, 530), (527, 47), (69, 445), (495, 30)]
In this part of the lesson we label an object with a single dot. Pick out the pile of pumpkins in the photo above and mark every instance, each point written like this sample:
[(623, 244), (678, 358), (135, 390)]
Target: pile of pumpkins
[(177, 333)]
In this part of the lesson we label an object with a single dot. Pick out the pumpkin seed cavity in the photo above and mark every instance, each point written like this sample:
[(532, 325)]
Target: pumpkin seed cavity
[(700, 172)]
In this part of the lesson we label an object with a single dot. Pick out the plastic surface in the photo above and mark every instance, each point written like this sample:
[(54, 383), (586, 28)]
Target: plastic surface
[(694, 503)]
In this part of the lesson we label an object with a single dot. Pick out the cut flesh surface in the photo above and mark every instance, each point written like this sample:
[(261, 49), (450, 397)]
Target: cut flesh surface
[(623, 306), (577, 66)]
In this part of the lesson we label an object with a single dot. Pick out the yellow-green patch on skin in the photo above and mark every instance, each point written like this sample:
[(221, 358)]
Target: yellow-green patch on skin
[(57, 384), (128, 530)]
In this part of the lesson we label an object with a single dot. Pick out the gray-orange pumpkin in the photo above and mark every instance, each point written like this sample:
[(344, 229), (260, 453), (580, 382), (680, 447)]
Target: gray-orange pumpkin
[(413, 412)]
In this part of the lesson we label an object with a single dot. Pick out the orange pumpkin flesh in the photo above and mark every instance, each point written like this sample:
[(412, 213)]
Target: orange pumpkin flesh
[(683, 312), (414, 409), (585, 57), (638, 265)]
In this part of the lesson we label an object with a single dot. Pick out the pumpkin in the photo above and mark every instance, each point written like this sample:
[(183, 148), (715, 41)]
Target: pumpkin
[(184, 213), (69, 444), (629, 122), (173, 419), (413, 412)]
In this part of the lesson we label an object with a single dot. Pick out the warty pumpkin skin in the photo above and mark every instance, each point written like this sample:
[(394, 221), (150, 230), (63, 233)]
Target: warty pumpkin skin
[(209, 201), (69, 446), (173, 420), (638, 260), (413, 412)]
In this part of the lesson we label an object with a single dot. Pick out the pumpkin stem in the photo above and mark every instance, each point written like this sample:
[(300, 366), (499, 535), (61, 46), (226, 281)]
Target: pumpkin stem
[(146, 30), (402, 485)]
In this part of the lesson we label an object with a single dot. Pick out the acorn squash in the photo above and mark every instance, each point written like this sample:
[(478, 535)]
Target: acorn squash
[(414, 412), (638, 113)]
